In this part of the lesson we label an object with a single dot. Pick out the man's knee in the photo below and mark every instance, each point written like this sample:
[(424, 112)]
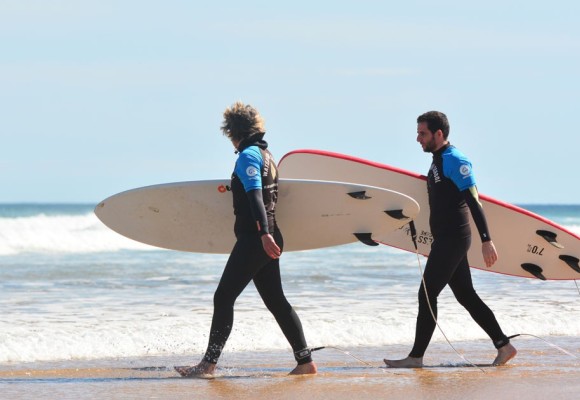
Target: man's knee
[(465, 296)]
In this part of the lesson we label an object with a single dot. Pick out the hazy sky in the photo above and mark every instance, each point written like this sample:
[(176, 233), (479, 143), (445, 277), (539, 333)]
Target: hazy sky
[(97, 97)]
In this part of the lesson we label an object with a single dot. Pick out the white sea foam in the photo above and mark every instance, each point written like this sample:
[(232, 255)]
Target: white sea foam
[(74, 234), (253, 331), (124, 326), (61, 234), (573, 228)]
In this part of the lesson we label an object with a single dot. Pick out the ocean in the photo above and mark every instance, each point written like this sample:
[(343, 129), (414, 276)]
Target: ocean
[(71, 290)]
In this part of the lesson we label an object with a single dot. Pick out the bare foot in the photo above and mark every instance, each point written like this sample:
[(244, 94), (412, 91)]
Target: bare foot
[(202, 370), (504, 354), (409, 362), (305, 369)]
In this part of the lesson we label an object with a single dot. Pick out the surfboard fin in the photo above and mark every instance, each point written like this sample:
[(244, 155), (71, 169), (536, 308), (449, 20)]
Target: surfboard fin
[(362, 195), (534, 270), (571, 261), (366, 239), (550, 237), (396, 214)]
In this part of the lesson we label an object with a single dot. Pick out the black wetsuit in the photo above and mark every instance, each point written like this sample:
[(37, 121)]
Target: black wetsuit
[(254, 187), (452, 193)]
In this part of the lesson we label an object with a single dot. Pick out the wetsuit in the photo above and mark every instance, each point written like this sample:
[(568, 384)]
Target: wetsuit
[(254, 187), (452, 193)]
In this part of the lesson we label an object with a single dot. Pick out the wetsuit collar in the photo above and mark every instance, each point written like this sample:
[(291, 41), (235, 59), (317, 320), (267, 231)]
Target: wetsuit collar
[(442, 149), (254, 140)]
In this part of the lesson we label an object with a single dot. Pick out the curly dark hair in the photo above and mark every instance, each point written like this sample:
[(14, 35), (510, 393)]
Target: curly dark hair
[(435, 120), (242, 121)]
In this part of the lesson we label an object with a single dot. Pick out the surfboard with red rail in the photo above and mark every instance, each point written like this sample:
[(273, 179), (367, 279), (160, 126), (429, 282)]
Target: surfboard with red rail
[(528, 245)]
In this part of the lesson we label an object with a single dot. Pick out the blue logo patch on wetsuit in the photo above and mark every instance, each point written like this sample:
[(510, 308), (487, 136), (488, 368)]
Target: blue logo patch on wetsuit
[(248, 167), (457, 167)]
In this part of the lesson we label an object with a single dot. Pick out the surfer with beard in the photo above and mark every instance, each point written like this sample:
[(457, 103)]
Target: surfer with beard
[(452, 192), (259, 244)]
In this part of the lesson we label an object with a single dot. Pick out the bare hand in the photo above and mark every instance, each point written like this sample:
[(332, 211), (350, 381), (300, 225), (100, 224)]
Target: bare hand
[(489, 253), (270, 246)]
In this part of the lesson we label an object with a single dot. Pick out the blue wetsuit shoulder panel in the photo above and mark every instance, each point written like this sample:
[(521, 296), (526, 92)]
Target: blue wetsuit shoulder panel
[(248, 167), (457, 167)]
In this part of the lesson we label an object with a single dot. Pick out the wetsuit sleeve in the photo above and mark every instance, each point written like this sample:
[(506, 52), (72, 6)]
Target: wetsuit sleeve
[(248, 169), (458, 168), (472, 200), (258, 210)]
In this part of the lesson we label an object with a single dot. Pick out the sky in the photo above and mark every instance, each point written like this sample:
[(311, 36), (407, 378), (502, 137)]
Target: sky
[(98, 97)]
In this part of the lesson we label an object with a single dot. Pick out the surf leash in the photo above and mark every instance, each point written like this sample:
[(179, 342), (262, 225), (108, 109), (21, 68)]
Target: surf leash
[(576, 283), (545, 341), (348, 353), (414, 238)]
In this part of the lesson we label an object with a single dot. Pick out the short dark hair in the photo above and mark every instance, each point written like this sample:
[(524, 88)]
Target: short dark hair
[(242, 121), (435, 120)]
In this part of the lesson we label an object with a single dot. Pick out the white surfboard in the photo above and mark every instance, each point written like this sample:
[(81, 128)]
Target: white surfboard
[(198, 216), (528, 244)]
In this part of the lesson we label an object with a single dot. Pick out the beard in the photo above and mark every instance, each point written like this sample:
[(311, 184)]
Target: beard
[(429, 147)]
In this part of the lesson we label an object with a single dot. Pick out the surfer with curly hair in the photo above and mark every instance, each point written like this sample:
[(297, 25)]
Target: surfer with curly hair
[(452, 192), (259, 244)]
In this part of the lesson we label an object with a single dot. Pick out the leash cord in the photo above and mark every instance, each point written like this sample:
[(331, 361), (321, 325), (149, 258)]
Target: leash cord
[(545, 341), (349, 354)]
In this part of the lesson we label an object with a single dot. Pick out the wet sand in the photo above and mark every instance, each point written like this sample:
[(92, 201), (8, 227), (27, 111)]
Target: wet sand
[(539, 371)]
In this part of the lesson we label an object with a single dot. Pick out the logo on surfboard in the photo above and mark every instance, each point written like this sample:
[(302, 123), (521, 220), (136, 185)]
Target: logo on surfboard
[(223, 188)]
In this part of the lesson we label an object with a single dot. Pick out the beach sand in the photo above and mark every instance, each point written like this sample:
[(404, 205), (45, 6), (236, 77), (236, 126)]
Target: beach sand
[(540, 371)]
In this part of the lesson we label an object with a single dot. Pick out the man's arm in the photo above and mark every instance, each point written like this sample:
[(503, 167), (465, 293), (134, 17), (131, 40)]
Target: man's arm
[(259, 212), (472, 199), (488, 248)]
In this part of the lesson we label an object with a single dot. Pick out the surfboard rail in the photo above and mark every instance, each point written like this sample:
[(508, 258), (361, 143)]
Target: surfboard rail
[(562, 245)]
